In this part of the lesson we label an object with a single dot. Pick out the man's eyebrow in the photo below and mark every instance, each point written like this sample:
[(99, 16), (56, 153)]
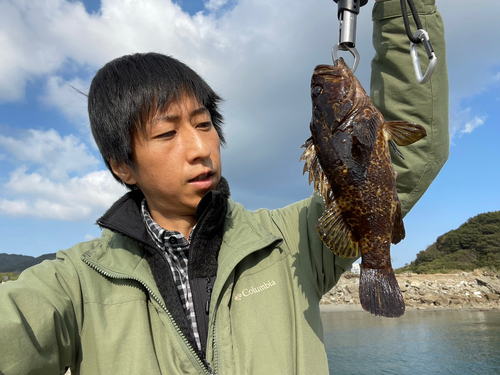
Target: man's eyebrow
[(199, 111), (174, 118)]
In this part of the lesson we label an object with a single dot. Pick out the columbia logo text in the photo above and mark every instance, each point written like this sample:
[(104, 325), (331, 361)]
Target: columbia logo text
[(254, 290)]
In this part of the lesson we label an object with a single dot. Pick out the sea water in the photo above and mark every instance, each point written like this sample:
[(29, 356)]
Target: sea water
[(437, 342)]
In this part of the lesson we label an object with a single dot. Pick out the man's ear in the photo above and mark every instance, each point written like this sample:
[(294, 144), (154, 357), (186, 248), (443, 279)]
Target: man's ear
[(124, 171)]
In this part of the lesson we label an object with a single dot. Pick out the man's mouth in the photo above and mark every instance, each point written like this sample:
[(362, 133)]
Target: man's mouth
[(202, 177)]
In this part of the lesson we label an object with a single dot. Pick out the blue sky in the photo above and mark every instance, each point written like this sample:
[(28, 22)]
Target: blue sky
[(259, 55)]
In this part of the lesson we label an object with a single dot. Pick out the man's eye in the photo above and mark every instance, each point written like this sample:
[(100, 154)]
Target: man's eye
[(205, 125), (166, 135)]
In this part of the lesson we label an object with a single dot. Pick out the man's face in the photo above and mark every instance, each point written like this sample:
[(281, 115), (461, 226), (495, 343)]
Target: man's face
[(177, 161)]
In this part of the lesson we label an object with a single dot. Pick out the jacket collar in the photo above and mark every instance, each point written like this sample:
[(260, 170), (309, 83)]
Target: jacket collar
[(125, 216), (241, 234)]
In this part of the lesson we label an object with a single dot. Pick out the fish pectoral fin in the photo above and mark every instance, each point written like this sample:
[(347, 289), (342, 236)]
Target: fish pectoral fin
[(365, 130), (398, 230), (404, 133), (335, 233)]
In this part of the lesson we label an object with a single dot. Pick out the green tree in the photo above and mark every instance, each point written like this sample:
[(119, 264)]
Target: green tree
[(475, 244)]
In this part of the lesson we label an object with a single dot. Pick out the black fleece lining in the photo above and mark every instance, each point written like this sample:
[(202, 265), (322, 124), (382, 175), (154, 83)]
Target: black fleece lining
[(165, 282), (204, 251), (207, 236)]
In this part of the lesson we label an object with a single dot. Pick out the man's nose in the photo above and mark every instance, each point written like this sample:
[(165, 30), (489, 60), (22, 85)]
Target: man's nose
[(196, 146)]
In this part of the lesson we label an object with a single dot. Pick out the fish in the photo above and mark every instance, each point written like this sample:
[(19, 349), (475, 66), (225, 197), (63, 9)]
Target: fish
[(349, 162)]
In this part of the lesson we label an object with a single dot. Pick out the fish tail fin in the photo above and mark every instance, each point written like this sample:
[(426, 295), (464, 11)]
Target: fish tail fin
[(379, 293)]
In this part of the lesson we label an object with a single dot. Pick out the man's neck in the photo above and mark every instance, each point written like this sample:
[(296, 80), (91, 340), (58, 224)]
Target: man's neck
[(183, 225)]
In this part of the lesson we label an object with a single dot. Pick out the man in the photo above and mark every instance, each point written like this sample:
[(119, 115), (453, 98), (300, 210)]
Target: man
[(183, 279)]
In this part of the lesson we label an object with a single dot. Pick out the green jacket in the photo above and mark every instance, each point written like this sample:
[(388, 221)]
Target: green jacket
[(97, 309)]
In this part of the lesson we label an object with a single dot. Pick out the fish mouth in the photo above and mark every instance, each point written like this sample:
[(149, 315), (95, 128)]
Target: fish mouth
[(329, 71)]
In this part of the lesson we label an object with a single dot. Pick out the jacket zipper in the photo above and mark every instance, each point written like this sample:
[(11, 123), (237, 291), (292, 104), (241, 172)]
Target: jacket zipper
[(214, 348), (209, 294), (111, 274)]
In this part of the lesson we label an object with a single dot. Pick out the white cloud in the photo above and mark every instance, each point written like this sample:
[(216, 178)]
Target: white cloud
[(54, 155), (42, 186), (215, 5), (473, 124), (29, 46), (465, 122), (79, 199), (63, 95)]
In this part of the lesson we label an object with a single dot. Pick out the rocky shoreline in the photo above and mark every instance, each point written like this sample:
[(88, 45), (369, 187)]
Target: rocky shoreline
[(437, 291)]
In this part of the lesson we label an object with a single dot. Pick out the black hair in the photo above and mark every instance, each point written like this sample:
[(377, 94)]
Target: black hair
[(129, 91)]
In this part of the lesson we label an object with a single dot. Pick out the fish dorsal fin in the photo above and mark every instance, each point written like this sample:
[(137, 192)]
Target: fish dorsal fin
[(398, 231), (316, 173), (335, 233), (404, 133)]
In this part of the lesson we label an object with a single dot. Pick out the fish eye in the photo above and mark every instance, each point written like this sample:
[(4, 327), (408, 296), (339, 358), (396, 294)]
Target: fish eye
[(316, 90)]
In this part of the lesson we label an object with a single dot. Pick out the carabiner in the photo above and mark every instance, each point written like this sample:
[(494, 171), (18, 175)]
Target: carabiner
[(423, 36), (353, 51)]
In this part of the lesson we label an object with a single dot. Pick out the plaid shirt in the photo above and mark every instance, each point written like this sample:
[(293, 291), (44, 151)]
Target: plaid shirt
[(176, 249)]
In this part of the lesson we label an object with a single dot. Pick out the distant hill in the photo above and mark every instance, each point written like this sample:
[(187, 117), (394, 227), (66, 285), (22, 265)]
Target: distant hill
[(18, 263), (475, 244)]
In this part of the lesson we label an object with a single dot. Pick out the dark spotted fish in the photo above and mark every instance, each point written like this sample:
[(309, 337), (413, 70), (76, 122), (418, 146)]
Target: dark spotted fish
[(348, 159)]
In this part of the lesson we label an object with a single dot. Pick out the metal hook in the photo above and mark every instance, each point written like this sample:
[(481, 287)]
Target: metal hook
[(424, 38), (337, 47)]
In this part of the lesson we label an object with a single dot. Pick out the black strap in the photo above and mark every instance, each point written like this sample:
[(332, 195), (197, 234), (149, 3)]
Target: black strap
[(407, 22)]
